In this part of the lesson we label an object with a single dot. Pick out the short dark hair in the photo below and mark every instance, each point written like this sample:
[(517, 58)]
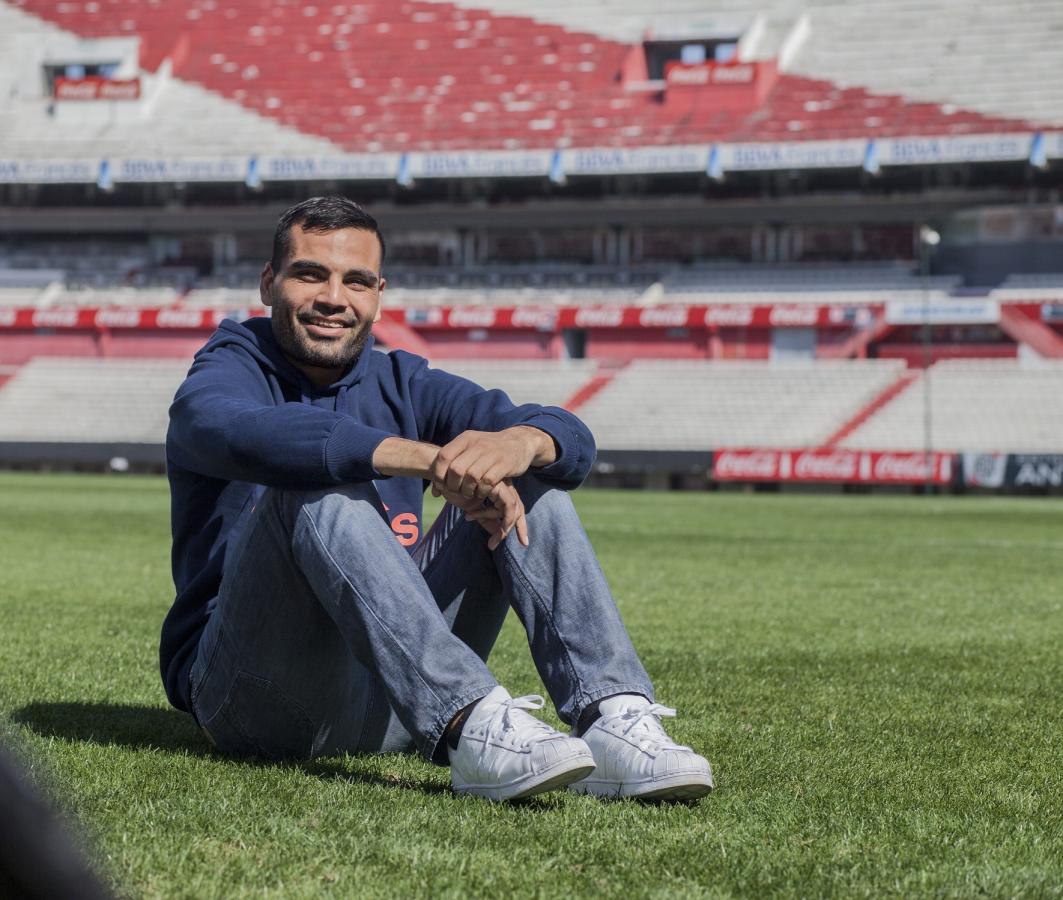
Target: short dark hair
[(320, 214)]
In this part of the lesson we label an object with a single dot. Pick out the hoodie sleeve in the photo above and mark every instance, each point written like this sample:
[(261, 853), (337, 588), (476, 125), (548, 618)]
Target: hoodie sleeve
[(446, 405), (225, 424)]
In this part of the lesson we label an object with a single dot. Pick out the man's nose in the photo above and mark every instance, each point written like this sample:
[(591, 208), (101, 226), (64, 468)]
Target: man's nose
[(331, 292)]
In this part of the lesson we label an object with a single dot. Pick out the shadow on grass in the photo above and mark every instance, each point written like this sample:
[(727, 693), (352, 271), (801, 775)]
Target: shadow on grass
[(152, 728)]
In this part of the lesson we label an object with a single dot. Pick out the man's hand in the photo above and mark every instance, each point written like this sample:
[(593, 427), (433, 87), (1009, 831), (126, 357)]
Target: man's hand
[(476, 462), (497, 506), (498, 515)]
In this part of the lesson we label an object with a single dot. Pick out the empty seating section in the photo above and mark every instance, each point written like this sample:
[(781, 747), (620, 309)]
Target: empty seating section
[(706, 405), (1040, 286), (158, 127), (975, 405), (115, 296), (650, 405), (547, 382), (222, 298), (98, 278), (19, 296), (378, 76), (932, 51), (89, 400)]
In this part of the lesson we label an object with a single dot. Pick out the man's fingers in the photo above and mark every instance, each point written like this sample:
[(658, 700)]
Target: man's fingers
[(446, 456), (492, 477), (484, 514), (472, 485), (522, 529)]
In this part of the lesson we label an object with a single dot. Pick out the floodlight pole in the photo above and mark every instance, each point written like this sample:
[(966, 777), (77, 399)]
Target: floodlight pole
[(928, 238)]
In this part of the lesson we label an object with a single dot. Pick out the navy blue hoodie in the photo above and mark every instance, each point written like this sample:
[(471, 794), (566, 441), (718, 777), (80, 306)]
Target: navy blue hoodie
[(245, 417)]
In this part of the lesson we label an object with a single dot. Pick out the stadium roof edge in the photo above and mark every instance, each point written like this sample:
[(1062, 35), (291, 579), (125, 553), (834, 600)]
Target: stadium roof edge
[(715, 160)]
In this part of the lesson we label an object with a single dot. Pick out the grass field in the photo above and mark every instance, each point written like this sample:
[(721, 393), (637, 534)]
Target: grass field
[(878, 682)]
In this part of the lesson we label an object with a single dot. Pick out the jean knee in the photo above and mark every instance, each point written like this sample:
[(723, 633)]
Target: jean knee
[(354, 503), (542, 500)]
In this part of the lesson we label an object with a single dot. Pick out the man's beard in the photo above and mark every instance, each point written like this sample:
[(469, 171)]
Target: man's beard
[(302, 349)]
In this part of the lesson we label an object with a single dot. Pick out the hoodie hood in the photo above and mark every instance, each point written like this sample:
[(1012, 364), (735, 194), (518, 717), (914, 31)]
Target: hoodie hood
[(256, 337)]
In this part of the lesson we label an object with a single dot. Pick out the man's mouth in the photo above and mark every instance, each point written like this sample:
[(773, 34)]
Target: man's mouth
[(322, 327)]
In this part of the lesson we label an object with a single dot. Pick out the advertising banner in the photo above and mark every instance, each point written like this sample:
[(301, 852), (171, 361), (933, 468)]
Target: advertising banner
[(986, 470), (943, 312), (48, 171), (96, 88), (833, 466), (1013, 470), (61, 318), (1035, 470), (554, 162), (969, 148)]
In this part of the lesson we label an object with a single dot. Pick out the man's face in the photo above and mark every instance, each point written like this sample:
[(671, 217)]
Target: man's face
[(325, 299)]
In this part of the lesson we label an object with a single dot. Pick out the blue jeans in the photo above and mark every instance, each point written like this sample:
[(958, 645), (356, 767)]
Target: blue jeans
[(328, 637)]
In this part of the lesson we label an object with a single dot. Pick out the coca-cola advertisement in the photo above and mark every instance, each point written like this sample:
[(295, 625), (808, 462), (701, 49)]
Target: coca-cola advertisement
[(833, 466), (94, 87)]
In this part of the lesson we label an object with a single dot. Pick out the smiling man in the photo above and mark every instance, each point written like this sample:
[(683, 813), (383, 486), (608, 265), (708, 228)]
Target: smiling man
[(314, 617)]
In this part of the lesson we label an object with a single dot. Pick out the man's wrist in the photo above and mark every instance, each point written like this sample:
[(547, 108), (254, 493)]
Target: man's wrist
[(401, 457), (544, 447)]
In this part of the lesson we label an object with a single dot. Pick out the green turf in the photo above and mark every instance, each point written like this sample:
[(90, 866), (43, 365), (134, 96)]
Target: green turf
[(877, 680)]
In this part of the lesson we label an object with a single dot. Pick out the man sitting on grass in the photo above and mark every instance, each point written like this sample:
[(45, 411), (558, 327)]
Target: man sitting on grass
[(312, 615)]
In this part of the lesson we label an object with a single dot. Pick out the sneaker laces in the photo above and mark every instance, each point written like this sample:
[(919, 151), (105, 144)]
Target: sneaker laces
[(510, 723), (644, 725)]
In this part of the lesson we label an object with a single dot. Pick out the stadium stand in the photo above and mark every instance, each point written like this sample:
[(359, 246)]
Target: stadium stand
[(785, 298), (158, 125), (531, 381), (114, 296), (126, 401), (975, 406), (88, 400), (701, 405), (935, 51), (1031, 286), (479, 80)]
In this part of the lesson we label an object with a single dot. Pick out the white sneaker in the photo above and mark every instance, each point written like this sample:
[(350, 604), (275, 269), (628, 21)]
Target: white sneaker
[(506, 754), (636, 758)]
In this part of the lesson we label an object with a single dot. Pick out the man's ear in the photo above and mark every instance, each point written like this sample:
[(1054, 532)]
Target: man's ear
[(265, 285), (379, 291)]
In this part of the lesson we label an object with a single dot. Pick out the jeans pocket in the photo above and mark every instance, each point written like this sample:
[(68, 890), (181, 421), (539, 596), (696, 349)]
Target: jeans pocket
[(258, 719)]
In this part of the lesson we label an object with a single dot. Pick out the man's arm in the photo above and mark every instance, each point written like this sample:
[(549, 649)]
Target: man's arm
[(498, 510), (223, 425), (485, 438)]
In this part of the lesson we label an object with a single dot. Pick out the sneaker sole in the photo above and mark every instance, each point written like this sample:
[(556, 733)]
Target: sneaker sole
[(558, 776), (689, 786)]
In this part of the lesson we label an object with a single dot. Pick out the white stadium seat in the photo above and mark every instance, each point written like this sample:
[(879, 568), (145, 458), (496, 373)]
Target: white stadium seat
[(975, 405), (692, 405)]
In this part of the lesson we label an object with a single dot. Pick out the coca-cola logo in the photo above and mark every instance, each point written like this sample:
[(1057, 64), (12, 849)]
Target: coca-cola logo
[(472, 317), (743, 74), (902, 467), (795, 316), (753, 464), (600, 317), (729, 316), (695, 75), (119, 90), (534, 317), (55, 318), (117, 318), (840, 466), (178, 318), (75, 90), (663, 317), (97, 89)]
